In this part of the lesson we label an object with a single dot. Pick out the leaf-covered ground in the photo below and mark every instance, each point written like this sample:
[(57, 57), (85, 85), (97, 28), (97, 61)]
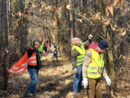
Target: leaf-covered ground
[(55, 81)]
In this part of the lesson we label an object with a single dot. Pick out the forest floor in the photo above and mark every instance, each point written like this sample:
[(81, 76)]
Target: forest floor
[(55, 81)]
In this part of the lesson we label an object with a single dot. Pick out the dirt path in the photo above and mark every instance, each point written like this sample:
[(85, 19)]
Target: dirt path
[(55, 81)]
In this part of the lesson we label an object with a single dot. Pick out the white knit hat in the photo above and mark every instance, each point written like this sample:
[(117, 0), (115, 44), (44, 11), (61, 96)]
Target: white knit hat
[(76, 40)]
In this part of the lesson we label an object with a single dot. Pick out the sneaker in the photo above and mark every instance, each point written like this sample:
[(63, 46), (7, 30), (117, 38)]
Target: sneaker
[(29, 94)]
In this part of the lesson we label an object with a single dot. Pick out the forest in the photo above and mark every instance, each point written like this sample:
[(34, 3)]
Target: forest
[(59, 21)]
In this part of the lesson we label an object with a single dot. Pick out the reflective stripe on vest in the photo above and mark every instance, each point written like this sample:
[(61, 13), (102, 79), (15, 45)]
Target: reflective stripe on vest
[(80, 58), (96, 67), (33, 60), (21, 65), (32, 57), (20, 69), (40, 49)]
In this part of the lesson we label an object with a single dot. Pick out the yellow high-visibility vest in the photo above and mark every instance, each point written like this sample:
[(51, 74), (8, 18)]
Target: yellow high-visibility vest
[(80, 58), (40, 49), (54, 48), (96, 67)]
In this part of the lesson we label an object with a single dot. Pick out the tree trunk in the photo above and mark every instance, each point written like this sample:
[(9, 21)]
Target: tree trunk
[(5, 27), (110, 53), (0, 37), (55, 2), (4, 45), (71, 19)]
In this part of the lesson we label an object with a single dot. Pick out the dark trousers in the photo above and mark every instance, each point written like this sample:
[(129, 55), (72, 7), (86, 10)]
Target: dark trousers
[(45, 49)]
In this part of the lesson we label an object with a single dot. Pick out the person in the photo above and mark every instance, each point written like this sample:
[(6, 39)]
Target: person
[(46, 46), (54, 50), (40, 49), (93, 67), (33, 67), (30, 61), (77, 58)]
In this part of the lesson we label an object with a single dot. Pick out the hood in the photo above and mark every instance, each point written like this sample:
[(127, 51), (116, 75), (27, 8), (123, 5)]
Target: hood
[(93, 46)]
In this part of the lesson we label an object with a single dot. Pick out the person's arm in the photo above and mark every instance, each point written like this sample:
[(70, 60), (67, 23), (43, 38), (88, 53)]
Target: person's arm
[(104, 73), (87, 43), (74, 55), (85, 63), (108, 80), (51, 48)]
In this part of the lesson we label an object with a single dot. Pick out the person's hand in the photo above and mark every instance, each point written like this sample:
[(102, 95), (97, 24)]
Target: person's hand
[(90, 36), (75, 70), (108, 80), (85, 82)]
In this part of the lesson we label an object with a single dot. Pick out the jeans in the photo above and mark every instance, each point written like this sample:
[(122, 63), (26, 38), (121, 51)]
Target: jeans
[(78, 80), (34, 77)]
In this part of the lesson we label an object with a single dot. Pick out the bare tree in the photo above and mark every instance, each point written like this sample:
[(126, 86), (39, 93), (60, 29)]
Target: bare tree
[(71, 19), (4, 45)]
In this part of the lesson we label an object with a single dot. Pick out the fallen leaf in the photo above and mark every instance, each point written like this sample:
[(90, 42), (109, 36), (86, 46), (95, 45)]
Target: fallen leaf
[(109, 9), (112, 28), (122, 2), (64, 6), (31, 13), (18, 14), (96, 17), (106, 21), (25, 10), (29, 3), (68, 6), (123, 32), (48, 8), (43, 6), (80, 20), (116, 2), (34, 6), (59, 9), (40, 10)]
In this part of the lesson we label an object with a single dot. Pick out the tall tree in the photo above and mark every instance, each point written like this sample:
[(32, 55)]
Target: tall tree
[(0, 32), (71, 19), (4, 22), (107, 34), (55, 2), (4, 45)]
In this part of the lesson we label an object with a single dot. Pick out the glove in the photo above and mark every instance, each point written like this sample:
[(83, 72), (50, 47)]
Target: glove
[(75, 70), (85, 82), (90, 36), (55, 52), (108, 80)]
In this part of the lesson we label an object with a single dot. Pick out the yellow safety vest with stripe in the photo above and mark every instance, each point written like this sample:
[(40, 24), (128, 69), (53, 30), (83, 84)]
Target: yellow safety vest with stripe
[(96, 67), (80, 58), (40, 49), (54, 48)]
